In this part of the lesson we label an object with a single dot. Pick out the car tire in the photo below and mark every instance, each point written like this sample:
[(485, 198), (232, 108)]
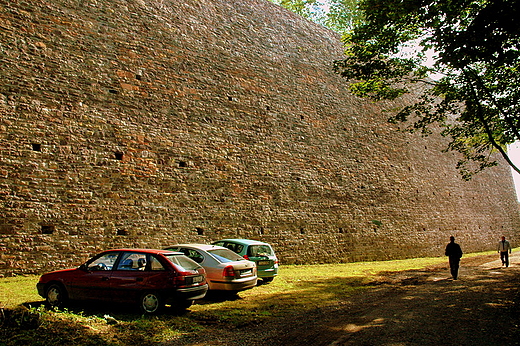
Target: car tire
[(56, 295), (183, 305), (267, 280), (151, 303)]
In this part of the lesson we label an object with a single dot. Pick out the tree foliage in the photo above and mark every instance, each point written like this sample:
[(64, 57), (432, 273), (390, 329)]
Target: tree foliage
[(337, 15), (474, 96)]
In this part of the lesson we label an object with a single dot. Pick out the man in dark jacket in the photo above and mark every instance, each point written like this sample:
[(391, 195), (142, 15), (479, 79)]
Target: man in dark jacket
[(454, 253)]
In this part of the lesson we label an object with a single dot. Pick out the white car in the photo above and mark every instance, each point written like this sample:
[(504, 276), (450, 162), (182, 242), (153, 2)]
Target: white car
[(225, 270)]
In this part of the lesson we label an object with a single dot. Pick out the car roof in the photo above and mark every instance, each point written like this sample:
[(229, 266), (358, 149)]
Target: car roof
[(204, 247), (245, 241), (152, 251)]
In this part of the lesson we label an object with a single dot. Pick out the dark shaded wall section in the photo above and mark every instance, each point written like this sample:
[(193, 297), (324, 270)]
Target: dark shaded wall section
[(145, 123)]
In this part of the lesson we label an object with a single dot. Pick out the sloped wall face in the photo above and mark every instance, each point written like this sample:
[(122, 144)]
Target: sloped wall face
[(145, 123)]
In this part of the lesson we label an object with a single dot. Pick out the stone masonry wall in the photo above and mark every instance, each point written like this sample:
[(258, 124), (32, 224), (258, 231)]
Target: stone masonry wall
[(144, 123)]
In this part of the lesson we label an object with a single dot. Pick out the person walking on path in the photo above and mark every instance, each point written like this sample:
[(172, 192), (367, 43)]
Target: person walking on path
[(504, 248), (454, 253)]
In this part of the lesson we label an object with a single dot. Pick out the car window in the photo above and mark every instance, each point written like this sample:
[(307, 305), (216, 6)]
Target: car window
[(193, 254), (225, 255), (183, 261), (231, 246), (234, 247), (259, 250), (104, 262), (155, 265), (132, 261)]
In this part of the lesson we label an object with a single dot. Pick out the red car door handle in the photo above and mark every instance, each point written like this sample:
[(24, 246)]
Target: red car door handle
[(104, 278)]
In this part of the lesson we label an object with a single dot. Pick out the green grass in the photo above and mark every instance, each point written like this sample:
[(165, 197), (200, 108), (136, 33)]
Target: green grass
[(18, 290), (297, 288)]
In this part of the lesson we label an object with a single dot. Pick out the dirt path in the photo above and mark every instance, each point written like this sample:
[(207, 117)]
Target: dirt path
[(423, 307), (481, 308)]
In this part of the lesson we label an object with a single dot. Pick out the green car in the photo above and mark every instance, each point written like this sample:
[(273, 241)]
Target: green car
[(259, 252)]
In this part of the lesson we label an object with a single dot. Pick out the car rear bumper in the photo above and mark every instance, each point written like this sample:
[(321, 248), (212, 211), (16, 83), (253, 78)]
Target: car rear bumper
[(235, 285), (267, 273), (190, 293)]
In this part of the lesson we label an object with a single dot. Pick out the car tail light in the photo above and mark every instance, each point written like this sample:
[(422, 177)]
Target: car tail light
[(246, 257), (229, 271), (179, 279), (185, 278)]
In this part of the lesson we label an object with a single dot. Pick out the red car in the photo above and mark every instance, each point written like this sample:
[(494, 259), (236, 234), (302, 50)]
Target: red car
[(150, 278)]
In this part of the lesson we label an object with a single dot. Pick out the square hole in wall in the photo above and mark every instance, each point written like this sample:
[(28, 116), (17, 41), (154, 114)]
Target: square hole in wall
[(122, 232), (48, 229)]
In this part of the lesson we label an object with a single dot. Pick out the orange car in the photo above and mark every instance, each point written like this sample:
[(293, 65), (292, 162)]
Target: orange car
[(225, 270)]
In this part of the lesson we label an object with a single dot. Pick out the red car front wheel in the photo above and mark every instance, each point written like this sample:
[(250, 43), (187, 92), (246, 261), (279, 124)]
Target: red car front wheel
[(56, 295)]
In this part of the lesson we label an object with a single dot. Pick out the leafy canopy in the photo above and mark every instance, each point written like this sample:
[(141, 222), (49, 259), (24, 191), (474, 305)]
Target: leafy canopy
[(474, 48), (337, 15)]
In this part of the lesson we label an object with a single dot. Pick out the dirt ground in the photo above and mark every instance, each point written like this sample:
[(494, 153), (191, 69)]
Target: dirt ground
[(423, 307)]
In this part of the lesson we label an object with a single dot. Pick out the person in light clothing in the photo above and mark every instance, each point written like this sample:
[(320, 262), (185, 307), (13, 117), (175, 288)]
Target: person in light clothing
[(504, 248)]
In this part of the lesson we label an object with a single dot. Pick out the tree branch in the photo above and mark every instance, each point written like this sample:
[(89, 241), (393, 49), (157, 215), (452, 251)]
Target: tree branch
[(506, 116), (489, 133)]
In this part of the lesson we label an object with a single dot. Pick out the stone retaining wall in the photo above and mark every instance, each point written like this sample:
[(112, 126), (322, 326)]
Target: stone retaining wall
[(140, 123)]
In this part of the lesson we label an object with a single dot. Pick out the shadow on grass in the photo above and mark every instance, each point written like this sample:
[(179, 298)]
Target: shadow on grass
[(306, 312), (410, 308), (219, 297), (89, 323), (31, 324), (123, 312), (93, 323)]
